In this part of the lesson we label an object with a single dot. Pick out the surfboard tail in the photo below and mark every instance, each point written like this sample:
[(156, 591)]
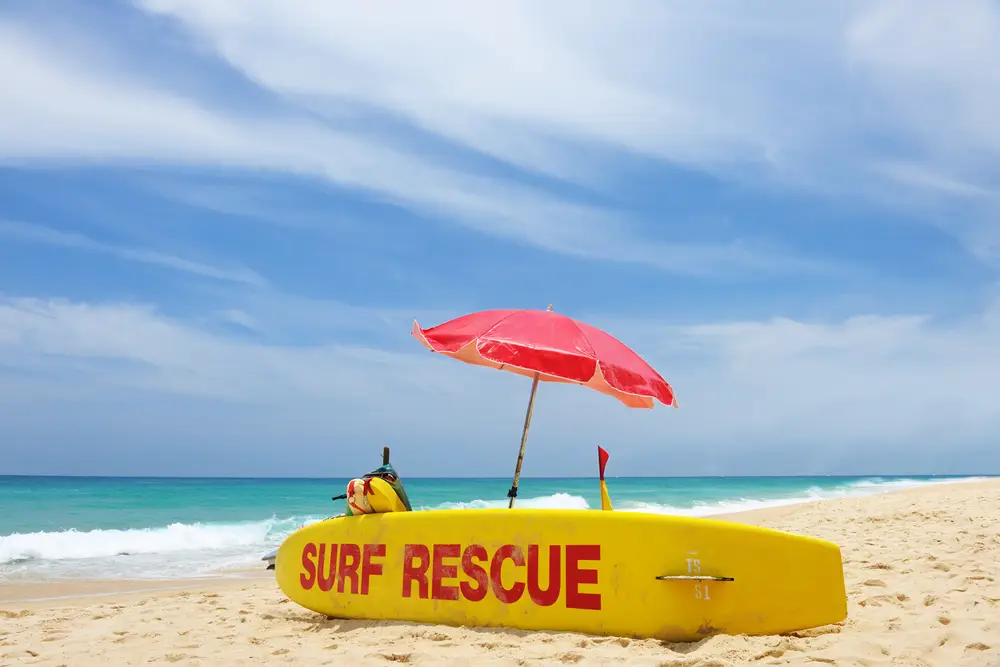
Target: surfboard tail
[(602, 461)]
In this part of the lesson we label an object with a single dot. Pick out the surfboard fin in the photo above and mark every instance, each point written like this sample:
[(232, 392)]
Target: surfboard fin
[(602, 461)]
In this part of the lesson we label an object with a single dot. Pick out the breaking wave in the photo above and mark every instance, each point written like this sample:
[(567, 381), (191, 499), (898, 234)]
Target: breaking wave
[(177, 537), (181, 549), (865, 487), (563, 501)]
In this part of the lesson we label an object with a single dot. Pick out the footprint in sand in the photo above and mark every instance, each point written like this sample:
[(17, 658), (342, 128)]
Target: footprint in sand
[(395, 657), (816, 632), (570, 657)]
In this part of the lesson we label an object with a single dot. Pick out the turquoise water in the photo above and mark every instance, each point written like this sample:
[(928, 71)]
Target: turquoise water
[(62, 527)]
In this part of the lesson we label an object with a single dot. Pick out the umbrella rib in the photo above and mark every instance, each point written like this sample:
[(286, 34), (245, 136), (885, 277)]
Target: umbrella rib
[(480, 337), (598, 369), (589, 342), (525, 368), (495, 325)]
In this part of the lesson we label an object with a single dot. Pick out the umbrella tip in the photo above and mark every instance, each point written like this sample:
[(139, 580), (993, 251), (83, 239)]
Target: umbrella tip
[(549, 308)]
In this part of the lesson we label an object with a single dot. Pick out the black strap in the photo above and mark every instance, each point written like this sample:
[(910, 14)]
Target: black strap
[(512, 493)]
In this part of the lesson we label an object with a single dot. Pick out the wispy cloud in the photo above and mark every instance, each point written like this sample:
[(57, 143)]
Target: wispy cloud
[(817, 97), (34, 233), (877, 386), (890, 380), (596, 132), (64, 106), (139, 347)]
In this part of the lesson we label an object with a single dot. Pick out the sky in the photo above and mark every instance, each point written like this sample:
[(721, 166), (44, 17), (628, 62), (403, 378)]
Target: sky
[(219, 220)]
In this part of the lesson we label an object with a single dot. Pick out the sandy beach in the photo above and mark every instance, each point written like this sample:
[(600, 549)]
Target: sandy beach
[(922, 568)]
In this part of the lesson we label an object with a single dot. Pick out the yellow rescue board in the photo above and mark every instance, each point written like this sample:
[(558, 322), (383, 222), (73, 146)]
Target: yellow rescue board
[(565, 570)]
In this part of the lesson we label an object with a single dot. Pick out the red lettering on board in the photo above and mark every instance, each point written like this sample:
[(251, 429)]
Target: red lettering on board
[(476, 572), (308, 578), (322, 567), (576, 576), (324, 564), (325, 581), (440, 572), (368, 568), (348, 569), (417, 573), (549, 596), (514, 554)]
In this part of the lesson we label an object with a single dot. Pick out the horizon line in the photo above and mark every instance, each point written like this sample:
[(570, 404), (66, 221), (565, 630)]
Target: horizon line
[(523, 477)]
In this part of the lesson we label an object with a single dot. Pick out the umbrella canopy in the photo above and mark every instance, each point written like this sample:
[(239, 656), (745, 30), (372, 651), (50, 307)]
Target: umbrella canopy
[(555, 347), (548, 347)]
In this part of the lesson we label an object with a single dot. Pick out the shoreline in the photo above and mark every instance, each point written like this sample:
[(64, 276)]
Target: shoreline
[(82, 589), (921, 567), (781, 511)]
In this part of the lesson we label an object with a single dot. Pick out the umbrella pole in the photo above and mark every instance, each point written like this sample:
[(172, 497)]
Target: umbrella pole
[(524, 439)]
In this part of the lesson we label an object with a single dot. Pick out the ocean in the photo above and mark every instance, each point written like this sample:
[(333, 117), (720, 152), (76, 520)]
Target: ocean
[(160, 528)]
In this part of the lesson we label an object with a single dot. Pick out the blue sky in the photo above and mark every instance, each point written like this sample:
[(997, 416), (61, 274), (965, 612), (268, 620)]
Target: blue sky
[(219, 219)]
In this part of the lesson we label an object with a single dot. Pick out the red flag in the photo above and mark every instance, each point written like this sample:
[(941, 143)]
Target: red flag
[(602, 460)]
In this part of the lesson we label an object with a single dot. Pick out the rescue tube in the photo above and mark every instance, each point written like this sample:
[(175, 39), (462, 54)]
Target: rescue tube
[(372, 495)]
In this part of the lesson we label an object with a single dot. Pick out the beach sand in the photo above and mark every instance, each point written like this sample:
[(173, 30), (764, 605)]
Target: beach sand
[(922, 568)]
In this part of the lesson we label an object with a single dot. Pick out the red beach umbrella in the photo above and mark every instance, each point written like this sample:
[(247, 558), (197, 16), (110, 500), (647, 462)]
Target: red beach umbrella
[(548, 347)]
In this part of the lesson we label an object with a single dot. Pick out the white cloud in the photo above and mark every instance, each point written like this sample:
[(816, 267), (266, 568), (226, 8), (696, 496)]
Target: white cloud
[(64, 105), (892, 100), (519, 77), (846, 395), (123, 377), (882, 381), (838, 97), (32, 233), (947, 58), (146, 349), (694, 84)]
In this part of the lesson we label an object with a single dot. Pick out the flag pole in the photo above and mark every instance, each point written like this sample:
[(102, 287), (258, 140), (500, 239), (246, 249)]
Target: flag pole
[(512, 493)]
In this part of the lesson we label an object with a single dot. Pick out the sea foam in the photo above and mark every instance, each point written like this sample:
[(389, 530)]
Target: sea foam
[(195, 549)]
